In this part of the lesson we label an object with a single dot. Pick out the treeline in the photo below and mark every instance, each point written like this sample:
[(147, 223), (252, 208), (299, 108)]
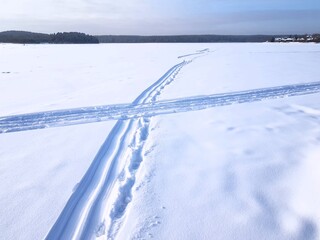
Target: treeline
[(316, 38), (183, 38), (57, 38), (81, 38), (73, 37)]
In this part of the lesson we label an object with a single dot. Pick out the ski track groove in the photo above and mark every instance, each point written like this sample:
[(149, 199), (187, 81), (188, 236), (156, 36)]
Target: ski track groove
[(100, 199), (138, 109)]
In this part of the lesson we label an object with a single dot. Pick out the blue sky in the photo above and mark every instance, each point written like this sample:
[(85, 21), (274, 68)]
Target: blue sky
[(149, 17)]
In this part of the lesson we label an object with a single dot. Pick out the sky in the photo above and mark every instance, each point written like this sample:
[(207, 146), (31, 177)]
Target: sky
[(162, 17)]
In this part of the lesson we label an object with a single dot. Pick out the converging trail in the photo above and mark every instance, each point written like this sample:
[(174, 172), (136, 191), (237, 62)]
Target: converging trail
[(100, 200)]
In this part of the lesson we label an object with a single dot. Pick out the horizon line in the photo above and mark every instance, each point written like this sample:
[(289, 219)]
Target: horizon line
[(164, 35)]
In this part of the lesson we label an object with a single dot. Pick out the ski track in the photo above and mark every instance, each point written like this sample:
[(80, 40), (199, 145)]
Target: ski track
[(151, 108), (96, 207), (199, 52)]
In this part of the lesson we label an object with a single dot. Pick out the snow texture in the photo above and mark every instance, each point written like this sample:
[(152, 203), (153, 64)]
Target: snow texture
[(239, 171)]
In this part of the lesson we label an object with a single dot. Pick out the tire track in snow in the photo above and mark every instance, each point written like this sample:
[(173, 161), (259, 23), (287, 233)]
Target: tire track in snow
[(99, 201), (147, 109)]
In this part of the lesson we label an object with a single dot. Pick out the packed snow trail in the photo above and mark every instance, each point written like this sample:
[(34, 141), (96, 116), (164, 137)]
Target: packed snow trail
[(147, 109), (100, 200)]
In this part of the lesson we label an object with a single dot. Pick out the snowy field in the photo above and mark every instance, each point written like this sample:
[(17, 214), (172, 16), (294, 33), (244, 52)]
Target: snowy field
[(208, 141)]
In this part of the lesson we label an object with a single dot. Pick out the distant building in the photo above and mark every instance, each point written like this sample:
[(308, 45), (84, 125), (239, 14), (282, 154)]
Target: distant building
[(307, 38)]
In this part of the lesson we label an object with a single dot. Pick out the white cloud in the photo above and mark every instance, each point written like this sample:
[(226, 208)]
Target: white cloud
[(157, 17)]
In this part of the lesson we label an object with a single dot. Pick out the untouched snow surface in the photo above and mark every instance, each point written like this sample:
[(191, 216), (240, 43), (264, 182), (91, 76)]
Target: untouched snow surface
[(247, 171)]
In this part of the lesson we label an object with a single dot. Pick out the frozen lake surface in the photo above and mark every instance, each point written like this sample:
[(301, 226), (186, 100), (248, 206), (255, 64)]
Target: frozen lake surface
[(202, 141)]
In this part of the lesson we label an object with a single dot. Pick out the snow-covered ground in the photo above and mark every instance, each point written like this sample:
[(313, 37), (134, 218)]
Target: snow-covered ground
[(244, 171)]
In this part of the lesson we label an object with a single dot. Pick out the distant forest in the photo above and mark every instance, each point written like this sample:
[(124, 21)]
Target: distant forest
[(196, 38), (58, 38), (184, 38), (81, 38)]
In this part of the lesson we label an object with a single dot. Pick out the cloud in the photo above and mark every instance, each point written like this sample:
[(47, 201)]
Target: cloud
[(161, 17)]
